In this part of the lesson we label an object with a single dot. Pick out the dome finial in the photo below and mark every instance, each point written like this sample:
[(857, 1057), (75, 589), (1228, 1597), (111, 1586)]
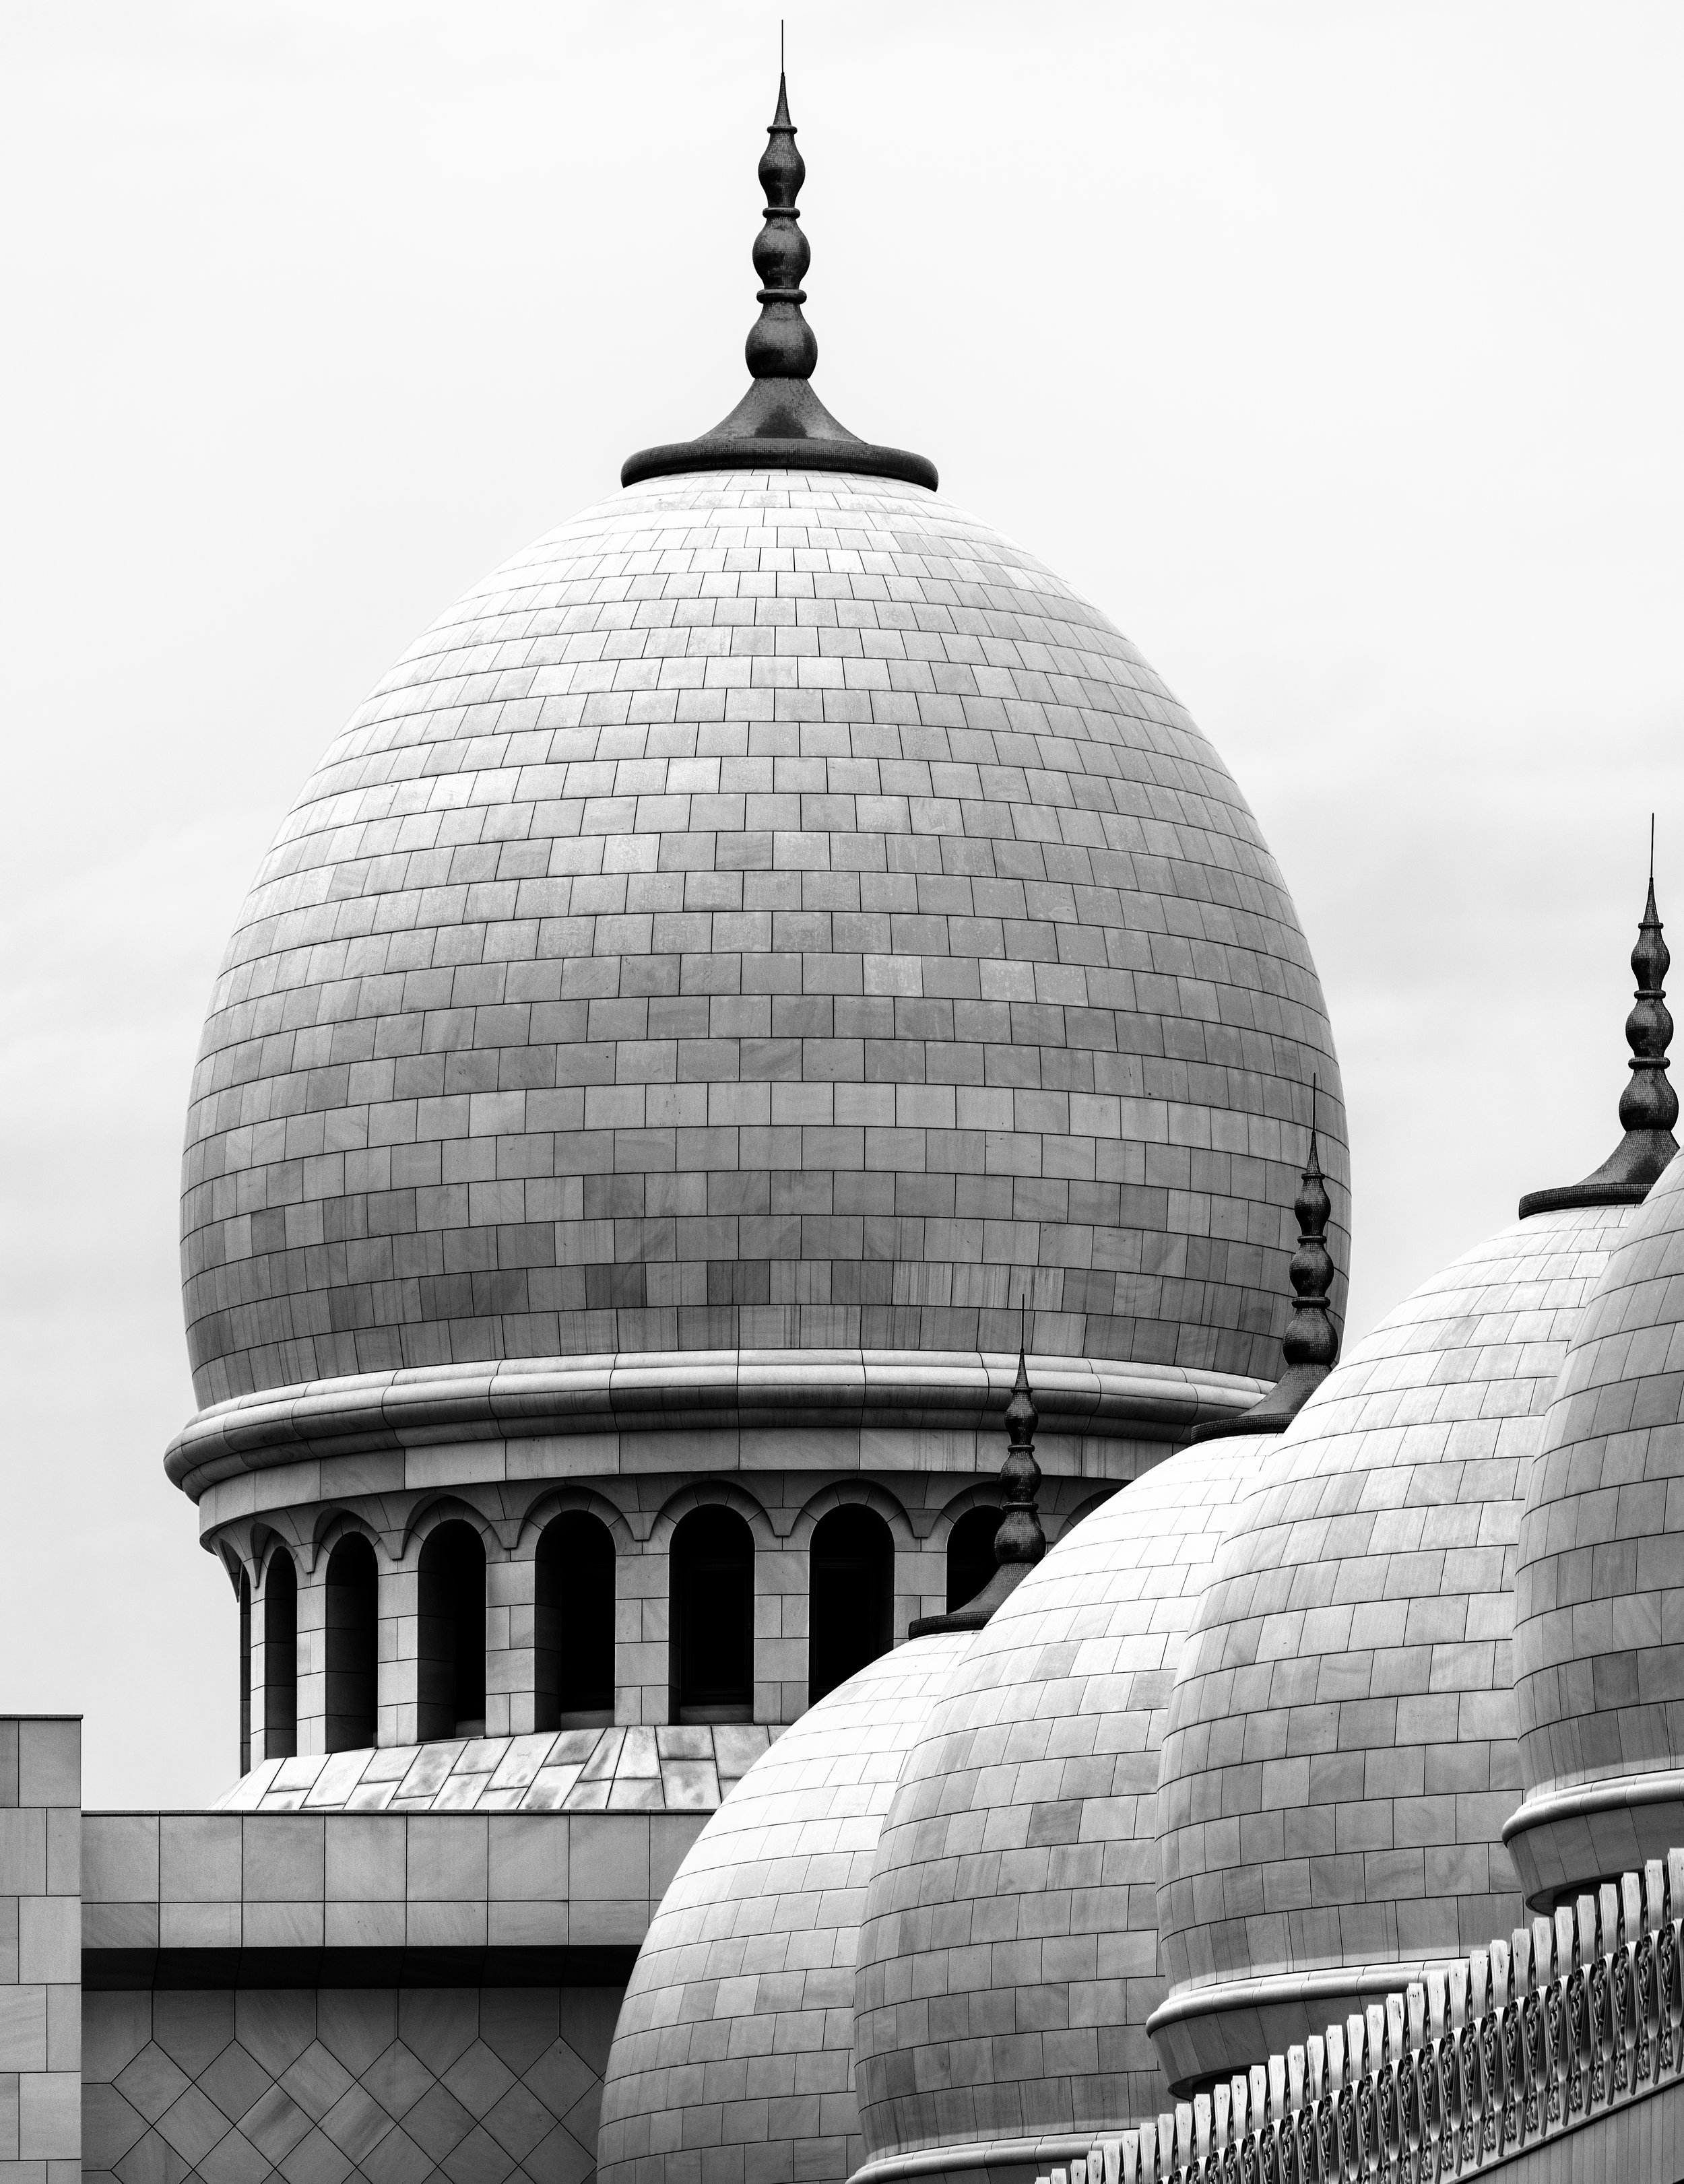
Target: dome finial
[(781, 344), (1648, 1106), (780, 423), (1020, 1542), (1310, 1345)]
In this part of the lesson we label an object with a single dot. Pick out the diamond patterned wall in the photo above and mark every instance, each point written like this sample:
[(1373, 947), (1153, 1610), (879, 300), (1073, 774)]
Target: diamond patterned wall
[(475, 2085), (770, 912)]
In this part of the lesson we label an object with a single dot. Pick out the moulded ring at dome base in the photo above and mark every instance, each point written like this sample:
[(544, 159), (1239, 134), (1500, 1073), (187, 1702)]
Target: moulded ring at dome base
[(987, 2161), (688, 1391), (1206, 2032), (1563, 1842)]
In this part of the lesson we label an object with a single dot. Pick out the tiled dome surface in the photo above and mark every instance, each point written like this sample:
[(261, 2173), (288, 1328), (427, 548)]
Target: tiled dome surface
[(731, 2062), (774, 911), (1009, 1957), (1340, 1754), (1599, 1591)]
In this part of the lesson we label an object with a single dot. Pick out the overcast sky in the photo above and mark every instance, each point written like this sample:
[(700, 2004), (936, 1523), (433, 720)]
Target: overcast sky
[(1335, 351)]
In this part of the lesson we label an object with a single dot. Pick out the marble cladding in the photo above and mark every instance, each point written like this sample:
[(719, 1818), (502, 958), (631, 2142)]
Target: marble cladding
[(1598, 1654), (1009, 1960), (41, 2027), (1599, 1591), (732, 2062), (375, 1880), (771, 910), (1342, 1752)]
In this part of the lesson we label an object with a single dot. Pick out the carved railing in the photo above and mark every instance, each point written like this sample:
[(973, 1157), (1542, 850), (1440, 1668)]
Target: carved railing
[(1478, 2061)]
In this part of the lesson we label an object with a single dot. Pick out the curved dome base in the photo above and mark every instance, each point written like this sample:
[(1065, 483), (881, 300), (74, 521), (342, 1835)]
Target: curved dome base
[(1212, 2032), (688, 1391), (987, 2161), (1568, 1839)]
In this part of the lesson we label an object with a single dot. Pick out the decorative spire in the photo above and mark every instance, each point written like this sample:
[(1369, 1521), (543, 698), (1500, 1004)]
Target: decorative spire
[(1648, 1106), (1310, 1345), (780, 423), (781, 344), (1020, 1542)]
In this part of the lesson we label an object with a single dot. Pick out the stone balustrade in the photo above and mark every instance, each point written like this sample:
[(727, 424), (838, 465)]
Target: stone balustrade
[(1485, 2058)]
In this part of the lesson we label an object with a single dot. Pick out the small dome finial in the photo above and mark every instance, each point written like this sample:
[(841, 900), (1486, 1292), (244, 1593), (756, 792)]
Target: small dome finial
[(1310, 1345), (780, 423), (1020, 1543), (1648, 1106), (781, 344)]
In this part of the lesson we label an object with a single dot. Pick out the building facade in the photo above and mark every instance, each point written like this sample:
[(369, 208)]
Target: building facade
[(768, 967)]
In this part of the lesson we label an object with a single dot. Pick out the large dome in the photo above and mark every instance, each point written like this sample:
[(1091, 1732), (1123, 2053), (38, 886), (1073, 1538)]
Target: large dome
[(1008, 1962), (1341, 1755), (771, 912)]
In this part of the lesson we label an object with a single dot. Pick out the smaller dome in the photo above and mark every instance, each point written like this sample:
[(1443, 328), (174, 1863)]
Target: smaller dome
[(1008, 1961), (732, 2059), (1341, 1753), (1599, 1586)]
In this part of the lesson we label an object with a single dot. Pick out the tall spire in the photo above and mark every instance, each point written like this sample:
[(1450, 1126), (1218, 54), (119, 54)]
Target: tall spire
[(1648, 1106), (1020, 1542), (780, 423), (1310, 1345)]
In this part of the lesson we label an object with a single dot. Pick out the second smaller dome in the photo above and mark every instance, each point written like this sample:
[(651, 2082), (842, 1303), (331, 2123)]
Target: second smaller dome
[(732, 2056)]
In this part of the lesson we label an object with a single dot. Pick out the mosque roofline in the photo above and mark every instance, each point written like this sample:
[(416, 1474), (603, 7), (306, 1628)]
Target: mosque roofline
[(685, 1390), (780, 423)]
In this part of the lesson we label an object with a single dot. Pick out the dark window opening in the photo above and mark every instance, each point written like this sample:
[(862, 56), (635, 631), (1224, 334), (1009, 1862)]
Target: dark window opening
[(713, 1616), (353, 1623), (245, 1674), (970, 1556), (573, 1623), (852, 1597), (451, 1678), (279, 1657)]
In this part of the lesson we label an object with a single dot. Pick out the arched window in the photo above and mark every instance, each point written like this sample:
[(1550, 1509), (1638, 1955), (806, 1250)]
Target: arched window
[(852, 1597), (573, 1622), (970, 1556), (245, 1674), (353, 1617), (450, 1672), (713, 1617), (279, 1657)]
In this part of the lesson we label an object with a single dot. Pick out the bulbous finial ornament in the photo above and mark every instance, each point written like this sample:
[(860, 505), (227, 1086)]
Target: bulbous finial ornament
[(780, 424), (1648, 1106), (781, 344), (1310, 1345), (1020, 1542), (1020, 1539)]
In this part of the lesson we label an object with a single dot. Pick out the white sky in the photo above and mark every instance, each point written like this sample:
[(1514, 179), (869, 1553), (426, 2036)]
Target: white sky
[(1334, 350)]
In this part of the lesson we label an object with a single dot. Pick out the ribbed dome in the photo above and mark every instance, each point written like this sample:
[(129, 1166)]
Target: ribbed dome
[(771, 911), (1009, 1959), (1599, 1587), (1341, 1753), (732, 2059)]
